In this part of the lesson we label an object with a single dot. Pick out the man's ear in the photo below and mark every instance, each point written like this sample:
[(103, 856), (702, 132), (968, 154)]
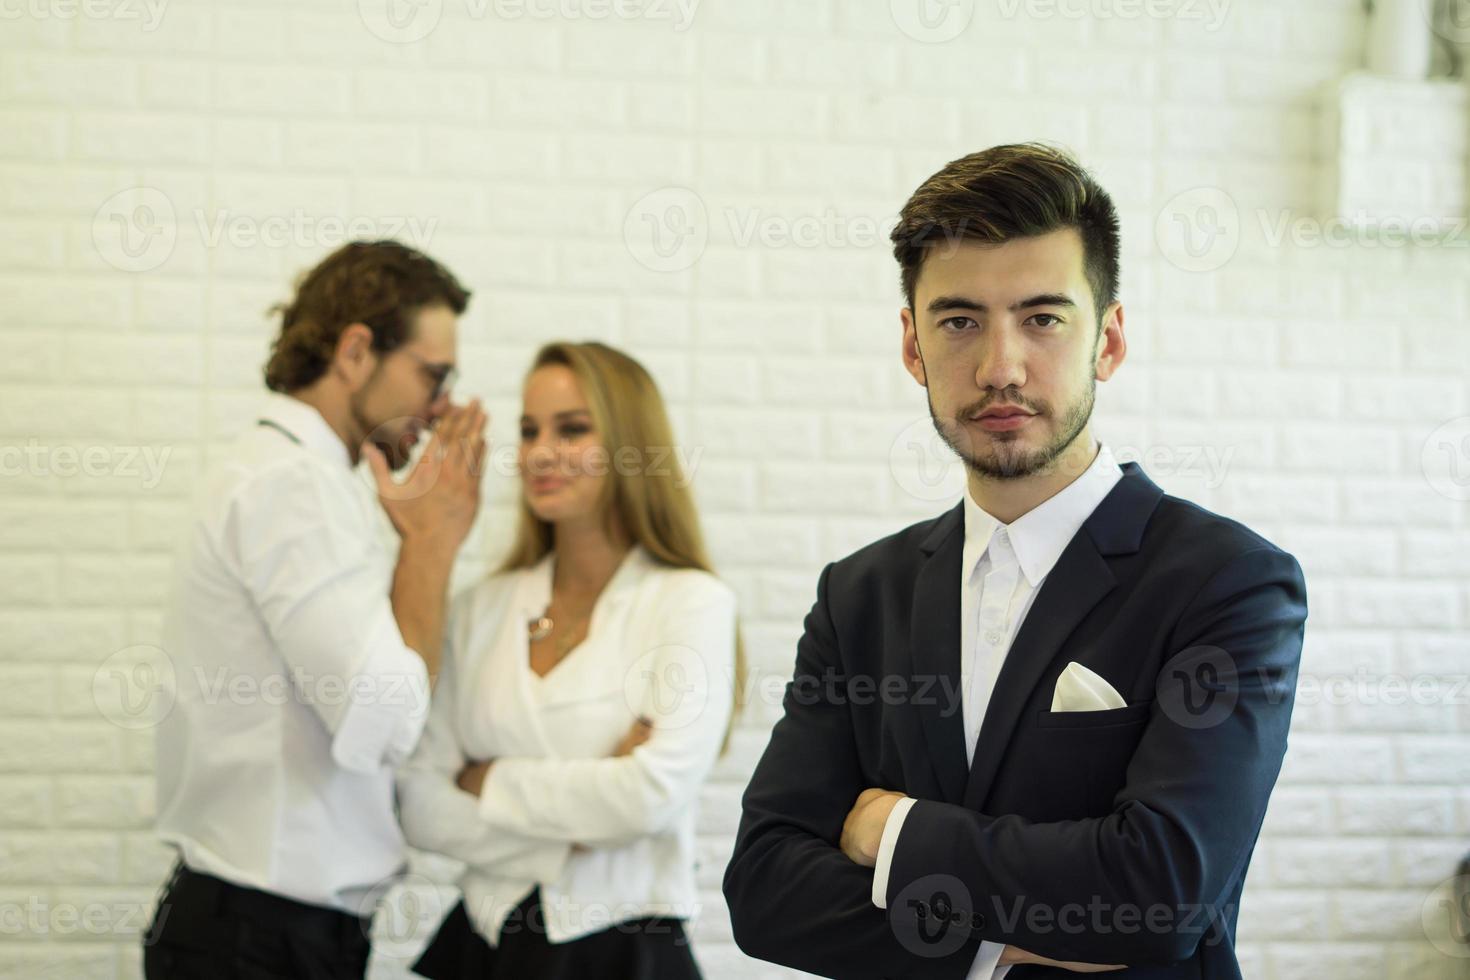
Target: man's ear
[(354, 359), (913, 357), (1111, 346)]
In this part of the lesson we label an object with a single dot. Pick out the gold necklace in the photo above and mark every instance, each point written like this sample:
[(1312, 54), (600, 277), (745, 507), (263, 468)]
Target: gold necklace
[(541, 627)]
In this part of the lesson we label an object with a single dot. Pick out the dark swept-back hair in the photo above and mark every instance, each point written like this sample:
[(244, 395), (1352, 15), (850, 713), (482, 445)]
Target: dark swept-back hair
[(382, 284), (1012, 191)]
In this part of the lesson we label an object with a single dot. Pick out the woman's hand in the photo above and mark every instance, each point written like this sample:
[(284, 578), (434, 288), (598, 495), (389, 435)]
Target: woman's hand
[(637, 735)]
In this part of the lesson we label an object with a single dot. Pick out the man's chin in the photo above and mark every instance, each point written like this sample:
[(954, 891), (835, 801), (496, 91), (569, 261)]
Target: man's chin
[(1007, 459)]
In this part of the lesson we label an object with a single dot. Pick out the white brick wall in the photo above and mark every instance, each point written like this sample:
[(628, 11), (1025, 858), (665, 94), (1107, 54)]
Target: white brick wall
[(1315, 388)]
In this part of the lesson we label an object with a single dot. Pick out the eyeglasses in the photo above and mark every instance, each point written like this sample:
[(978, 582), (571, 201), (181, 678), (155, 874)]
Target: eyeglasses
[(442, 375)]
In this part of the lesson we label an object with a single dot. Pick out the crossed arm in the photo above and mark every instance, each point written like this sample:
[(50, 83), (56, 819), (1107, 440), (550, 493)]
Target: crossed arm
[(1179, 836), (524, 816)]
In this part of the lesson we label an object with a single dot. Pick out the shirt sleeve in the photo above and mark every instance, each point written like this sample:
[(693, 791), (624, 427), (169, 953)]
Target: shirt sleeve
[(688, 665), (986, 962), (438, 816), (886, 843), (987, 957), (305, 550)]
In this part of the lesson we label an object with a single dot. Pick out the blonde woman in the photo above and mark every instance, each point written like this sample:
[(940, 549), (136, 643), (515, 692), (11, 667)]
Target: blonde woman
[(586, 690)]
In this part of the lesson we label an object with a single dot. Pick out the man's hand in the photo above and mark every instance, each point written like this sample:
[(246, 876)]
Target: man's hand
[(1014, 955), (862, 831), (432, 511), (471, 778), (437, 503)]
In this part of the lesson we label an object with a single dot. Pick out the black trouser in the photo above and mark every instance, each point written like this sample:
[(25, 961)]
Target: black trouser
[(208, 929), (649, 948)]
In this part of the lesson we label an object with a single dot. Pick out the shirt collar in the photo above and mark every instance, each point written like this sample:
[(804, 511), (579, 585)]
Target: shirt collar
[(1040, 535), (305, 423)]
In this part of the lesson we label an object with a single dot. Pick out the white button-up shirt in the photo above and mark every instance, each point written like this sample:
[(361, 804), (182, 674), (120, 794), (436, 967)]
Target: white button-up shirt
[(660, 643), (296, 694), (1002, 569)]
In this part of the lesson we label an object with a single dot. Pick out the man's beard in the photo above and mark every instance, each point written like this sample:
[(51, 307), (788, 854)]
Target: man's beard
[(395, 451), (1005, 459)]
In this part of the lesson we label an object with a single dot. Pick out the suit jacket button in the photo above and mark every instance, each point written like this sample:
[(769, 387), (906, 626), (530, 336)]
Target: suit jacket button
[(977, 921), (921, 910)]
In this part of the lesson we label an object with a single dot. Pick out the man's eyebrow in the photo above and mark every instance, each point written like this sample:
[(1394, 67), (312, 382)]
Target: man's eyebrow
[(943, 304)]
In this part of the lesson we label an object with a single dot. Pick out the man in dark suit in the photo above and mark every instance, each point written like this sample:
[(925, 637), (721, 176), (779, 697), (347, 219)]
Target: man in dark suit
[(1037, 734)]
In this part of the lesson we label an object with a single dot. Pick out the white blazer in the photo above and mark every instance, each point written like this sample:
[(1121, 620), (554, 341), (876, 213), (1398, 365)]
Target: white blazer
[(661, 643)]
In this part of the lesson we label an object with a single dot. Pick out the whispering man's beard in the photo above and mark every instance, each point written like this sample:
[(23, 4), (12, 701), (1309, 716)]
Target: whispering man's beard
[(398, 452), (1003, 455)]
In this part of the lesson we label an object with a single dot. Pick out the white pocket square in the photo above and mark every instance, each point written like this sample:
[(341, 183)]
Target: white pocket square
[(1080, 689)]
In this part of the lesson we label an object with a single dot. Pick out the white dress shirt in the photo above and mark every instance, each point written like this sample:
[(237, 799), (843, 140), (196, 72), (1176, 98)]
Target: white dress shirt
[(295, 691), (1001, 571), (661, 643)]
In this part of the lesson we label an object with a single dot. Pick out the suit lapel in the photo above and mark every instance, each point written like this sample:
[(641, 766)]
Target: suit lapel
[(934, 639), (1079, 581)]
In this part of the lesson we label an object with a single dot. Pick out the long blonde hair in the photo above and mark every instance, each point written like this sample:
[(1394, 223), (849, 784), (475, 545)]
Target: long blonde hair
[(652, 502)]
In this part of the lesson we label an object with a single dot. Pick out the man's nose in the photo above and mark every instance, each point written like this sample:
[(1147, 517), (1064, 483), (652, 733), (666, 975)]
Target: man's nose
[(1002, 359)]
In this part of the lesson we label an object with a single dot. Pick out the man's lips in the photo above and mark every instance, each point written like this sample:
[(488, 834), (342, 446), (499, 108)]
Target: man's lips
[(1002, 419), (1002, 412)]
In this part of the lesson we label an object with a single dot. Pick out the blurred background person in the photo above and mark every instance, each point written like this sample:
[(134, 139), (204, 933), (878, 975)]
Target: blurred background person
[(587, 688), (304, 655)]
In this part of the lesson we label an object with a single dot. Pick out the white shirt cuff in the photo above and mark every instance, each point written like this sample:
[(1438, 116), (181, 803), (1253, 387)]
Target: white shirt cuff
[(984, 967), (889, 841)]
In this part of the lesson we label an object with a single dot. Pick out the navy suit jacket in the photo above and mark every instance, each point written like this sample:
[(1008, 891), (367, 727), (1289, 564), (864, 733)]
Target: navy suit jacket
[(1116, 836)]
